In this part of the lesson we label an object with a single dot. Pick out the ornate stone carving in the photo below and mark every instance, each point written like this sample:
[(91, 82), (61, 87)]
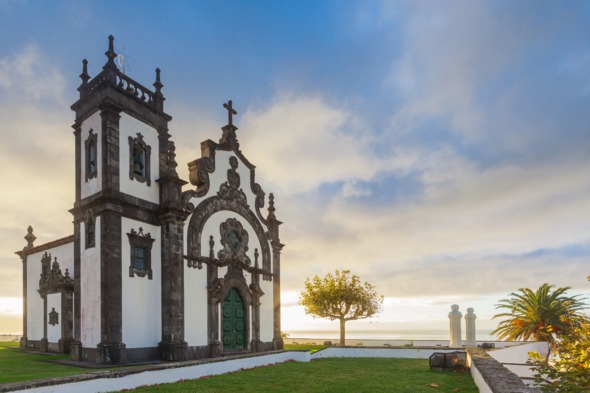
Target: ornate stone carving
[(233, 177), (30, 238), (53, 317), (234, 239), (52, 280), (232, 194), (200, 216)]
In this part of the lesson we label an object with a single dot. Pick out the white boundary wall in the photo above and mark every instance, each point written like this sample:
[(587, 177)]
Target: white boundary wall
[(170, 375), (400, 353)]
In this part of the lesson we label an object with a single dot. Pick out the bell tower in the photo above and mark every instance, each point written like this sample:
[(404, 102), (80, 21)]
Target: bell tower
[(127, 210)]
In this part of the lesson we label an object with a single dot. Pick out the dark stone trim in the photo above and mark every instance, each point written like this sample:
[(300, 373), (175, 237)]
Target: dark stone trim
[(172, 347), (35, 345), (498, 378), (90, 231), (78, 154), (23, 340), (123, 204), (144, 151), (45, 315), (85, 107), (111, 353), (90, 150), (46, 246), (200, 168), (67, 322), (110, 116), (111, 349), (77, 332)]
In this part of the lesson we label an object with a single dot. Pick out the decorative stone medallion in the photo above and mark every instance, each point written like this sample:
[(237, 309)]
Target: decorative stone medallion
[(234, 239)]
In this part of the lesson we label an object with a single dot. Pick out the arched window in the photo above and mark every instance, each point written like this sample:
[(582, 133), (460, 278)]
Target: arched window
[(91, 164)]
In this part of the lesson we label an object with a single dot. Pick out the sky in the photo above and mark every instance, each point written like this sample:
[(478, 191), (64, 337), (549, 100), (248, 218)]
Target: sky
[(438, 149)]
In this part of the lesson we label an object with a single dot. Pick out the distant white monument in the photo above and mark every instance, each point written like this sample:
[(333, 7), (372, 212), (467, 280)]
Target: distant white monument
[(455, 323), (470, 317)]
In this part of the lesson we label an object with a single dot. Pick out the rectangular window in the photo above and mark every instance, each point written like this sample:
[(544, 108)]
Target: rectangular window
[(140, 256), (140, 262), (139, 160)]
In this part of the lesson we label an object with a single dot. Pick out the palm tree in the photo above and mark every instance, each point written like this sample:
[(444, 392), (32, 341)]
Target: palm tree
[(540, 315)]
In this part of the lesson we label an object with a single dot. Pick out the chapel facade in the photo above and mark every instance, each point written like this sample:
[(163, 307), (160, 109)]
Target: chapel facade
[(153, 271)]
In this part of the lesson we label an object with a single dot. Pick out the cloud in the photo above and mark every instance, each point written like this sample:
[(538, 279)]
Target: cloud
[(503, 79), (471, 224), (303, 142), (29, 76), (37, 156)]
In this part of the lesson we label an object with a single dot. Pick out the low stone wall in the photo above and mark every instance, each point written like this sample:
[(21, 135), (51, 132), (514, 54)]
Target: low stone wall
[(394, 343), (400, 353), (490, 376)]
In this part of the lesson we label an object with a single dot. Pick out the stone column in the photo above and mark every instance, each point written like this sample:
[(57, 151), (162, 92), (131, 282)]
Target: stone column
[(455, 319), (470, 317)]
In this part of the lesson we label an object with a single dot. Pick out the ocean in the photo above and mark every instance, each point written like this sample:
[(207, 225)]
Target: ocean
[(401, 334)]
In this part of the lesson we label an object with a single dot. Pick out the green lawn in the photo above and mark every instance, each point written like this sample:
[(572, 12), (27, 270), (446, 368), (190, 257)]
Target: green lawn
[(16, 365), (331, 375), (323, 375)]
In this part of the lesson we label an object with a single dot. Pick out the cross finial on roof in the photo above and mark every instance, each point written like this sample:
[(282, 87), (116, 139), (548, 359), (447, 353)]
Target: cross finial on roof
[(230, 112)]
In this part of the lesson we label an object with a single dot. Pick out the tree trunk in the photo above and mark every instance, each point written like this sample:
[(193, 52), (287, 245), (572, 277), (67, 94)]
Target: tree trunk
[(342, 332)]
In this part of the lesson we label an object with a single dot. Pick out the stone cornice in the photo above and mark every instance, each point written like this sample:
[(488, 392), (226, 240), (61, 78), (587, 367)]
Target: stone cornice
[(43, 247)]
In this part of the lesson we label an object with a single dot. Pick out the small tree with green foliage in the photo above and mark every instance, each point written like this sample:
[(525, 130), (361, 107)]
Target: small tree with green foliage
[(340, 296), (568, 371)]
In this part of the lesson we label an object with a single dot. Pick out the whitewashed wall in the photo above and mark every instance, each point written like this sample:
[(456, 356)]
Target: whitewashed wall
[(54, 331), (93, 185), (34, 301), (142, 297), (266, 312), (129, 127), (195, 306), (35, 313), (90, 288)]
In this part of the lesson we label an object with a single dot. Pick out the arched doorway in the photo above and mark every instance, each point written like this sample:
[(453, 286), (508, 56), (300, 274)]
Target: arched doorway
[(234, 322)]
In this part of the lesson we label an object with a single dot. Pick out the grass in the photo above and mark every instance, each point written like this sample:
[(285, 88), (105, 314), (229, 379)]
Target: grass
[(330, 375), (17, 365), (323, 375)]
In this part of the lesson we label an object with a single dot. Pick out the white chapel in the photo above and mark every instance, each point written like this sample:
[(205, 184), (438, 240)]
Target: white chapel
[(153, 271)]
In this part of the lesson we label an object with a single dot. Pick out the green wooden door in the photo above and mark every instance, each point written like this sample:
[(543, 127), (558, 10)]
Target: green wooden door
[(234, 332)]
